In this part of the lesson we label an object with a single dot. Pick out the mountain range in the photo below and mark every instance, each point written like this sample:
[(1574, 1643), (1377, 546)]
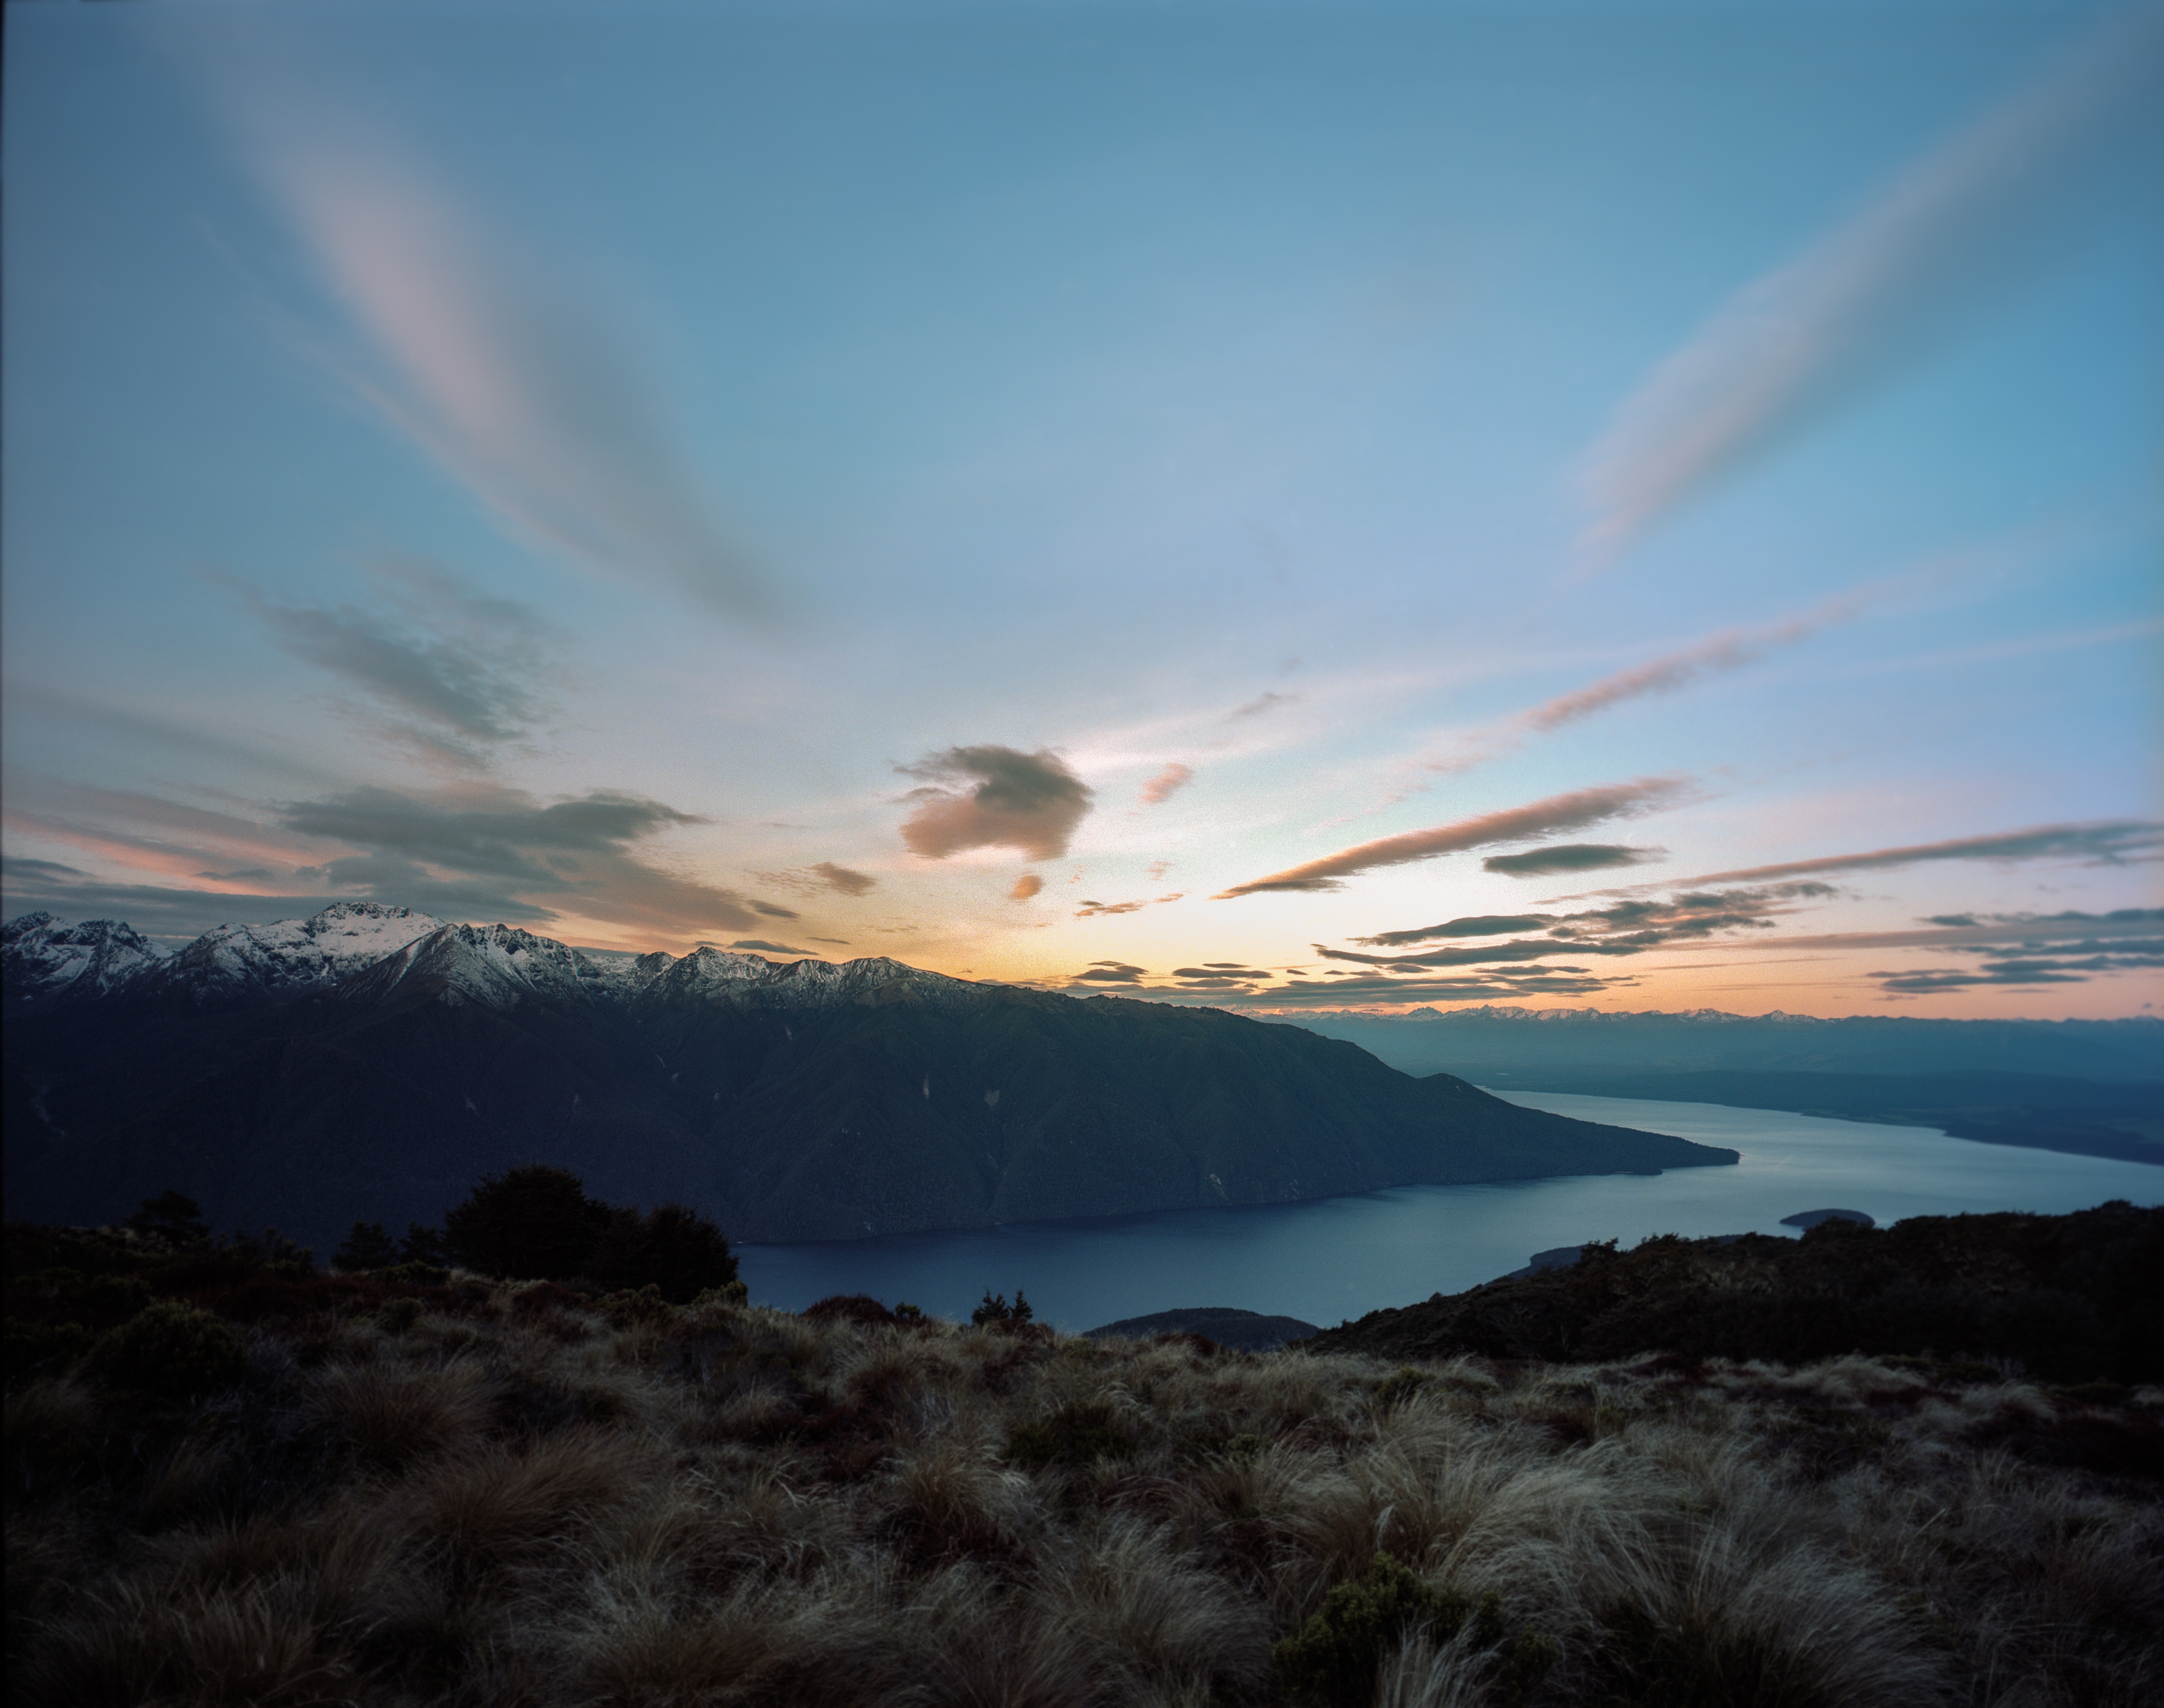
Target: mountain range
[(372, 1062), (2092, 1087)]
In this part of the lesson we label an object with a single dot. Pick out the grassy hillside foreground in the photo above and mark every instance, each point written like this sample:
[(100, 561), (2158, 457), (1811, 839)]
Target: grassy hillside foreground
[(281, 1486)]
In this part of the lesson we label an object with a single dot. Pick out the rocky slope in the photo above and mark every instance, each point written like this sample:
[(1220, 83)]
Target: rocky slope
[(371, 1063)]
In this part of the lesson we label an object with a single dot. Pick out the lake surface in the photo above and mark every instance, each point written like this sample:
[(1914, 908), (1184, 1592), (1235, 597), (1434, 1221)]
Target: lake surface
[(1332, 1258)]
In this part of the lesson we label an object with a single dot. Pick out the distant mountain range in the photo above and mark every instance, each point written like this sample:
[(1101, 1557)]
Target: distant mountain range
[(2094, 1087), (372, 1062)]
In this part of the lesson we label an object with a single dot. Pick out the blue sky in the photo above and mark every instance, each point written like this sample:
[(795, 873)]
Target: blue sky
[(1150, 498)]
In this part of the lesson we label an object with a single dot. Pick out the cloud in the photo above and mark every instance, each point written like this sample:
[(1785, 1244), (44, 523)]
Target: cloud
[(2057, 948), (1626, 928), (1091, 910), (21, 866), (1513, 986), (528, 390), (499, 853), (428, 649), (823, 878), (841, 878), (1027, 885), (1264, 702), (1558, 813), (775, 949), (2061, 965), (2109, 842), (1481, 925), (1570, 857), (1716, 654), (1030, 801), (1837, 317), (158, 911), (771, 911), (1167, 783), (1110, 973)]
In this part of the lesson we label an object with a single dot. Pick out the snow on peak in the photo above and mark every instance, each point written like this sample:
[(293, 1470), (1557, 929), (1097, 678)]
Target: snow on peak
[(288, 957), (497, 967), (47, 960)]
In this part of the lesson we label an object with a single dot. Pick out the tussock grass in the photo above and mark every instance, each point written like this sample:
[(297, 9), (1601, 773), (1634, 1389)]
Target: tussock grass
[(515, 1494)]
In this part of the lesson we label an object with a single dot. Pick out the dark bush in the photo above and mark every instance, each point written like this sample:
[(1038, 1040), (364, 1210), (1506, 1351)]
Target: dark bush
[(627, 1307), (32, 1347), (1074, 1435), (414, 1274), (851, 1307), (172, 1216), (529, 1224), (672, 1246), (369, 1246), (172, 1350), (1334, 1658), (424, 1244), (995, 1309)]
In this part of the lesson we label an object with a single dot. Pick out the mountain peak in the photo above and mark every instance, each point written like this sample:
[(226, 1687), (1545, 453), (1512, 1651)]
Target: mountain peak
[(48, 961)]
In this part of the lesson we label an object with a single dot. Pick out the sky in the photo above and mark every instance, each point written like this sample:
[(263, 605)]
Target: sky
[(1287, 506)]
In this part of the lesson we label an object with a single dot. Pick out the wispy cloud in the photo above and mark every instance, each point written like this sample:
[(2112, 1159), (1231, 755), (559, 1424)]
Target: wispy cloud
[(1111, 972), (1558, 813), (2110, 843), (758, 946), (842, 879), (1570, 857), (1716, 654), (1268, 701), (1837, 315), (454, 669), (1623, 928), (1167, 783), (1093, 910), (1029, 802), (1025, 887), (520, 382), (501, 854)]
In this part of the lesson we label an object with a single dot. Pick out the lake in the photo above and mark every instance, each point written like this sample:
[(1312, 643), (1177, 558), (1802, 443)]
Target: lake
[(1332, 1258)]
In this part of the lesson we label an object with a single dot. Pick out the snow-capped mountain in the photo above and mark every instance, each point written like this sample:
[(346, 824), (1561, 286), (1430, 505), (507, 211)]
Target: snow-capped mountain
[(496, 967), (47, 962), (287, 958), (709, 975)]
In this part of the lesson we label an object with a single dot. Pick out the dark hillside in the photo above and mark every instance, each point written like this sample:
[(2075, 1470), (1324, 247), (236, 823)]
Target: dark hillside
[(2071, 1298), (894, 1101)]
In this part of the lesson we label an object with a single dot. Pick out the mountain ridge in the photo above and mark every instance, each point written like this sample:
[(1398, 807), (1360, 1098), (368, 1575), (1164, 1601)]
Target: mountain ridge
[(280, 1083)]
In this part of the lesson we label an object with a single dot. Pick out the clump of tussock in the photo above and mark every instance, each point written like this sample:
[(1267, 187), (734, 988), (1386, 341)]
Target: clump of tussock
[(434, 1487)]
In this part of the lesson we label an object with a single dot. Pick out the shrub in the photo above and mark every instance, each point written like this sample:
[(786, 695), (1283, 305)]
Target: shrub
[(36, 1345), (625, 1307), (728, 1293), (172, 1216), (172, 1350), (397, 1315), (414, 1274), (1074, 1435), (850, 1307), (995, 1309), (529, 1224), (1335, 1657), (369, 1246), (672, 1246), (424, 1244)]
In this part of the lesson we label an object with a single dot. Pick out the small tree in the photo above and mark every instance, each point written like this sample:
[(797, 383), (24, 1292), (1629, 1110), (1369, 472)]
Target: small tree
[(995, 1309), (171, 1215), (672, 1247), (424, 1244), (369, 1246), (530, 1224)]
